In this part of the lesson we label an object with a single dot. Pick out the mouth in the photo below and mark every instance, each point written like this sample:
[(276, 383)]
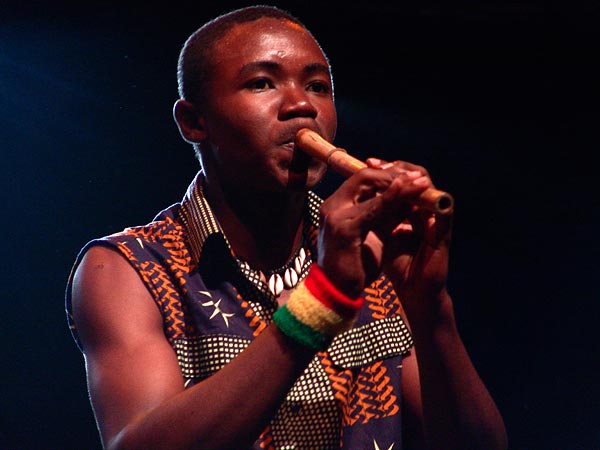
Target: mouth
[(300, 161), (289, 145), (288, 138)]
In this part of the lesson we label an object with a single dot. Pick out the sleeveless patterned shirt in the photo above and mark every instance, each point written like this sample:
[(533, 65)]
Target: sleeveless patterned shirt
[(348, 397)]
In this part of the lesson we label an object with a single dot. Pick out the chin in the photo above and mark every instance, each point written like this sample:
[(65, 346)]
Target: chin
[(306, 179), (297, 183)]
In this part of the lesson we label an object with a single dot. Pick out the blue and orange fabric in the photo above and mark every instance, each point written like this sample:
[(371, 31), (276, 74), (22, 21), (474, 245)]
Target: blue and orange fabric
[(349, 396)]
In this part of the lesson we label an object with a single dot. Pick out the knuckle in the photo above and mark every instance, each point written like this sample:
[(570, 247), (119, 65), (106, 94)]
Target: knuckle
[(369, 174), (333, 224)]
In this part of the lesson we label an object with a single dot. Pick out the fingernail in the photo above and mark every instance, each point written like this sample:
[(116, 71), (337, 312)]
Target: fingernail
[(387, 166), (420, 181), (414, 173)]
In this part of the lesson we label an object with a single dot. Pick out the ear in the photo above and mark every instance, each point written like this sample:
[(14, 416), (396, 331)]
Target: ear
[(189, 121)]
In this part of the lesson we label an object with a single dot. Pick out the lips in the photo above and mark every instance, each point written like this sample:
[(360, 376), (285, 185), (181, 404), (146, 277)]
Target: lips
[(290, 145), (288, 137), (300, 161)]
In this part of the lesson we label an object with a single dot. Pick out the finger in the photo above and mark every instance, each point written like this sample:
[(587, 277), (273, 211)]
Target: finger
[(361, 186), (398, 186), (397, 217), (343, 254), (352, 223), (377, 163), (434, 229), (403, 228), (401, 195), (443, 229)]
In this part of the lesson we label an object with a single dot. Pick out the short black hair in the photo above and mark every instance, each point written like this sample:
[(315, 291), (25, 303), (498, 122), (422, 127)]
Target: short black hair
[(195, 58)]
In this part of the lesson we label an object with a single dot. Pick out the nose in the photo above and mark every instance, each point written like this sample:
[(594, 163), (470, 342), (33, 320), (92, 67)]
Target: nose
[(296, 102)]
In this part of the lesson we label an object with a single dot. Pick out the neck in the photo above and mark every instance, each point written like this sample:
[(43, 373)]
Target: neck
[(263, 228)]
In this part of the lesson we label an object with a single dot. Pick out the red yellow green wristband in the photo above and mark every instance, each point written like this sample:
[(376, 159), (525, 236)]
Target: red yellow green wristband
[(316, 311)]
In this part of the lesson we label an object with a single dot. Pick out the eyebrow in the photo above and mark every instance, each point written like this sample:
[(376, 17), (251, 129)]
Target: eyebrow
[(309, 69)]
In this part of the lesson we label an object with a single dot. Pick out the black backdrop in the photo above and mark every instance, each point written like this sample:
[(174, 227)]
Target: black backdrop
[(498, 99)]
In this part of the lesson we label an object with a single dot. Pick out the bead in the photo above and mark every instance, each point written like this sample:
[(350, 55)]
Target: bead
[(290, 278), (283, 278), (302, 256), (297, 264), (276, 284)]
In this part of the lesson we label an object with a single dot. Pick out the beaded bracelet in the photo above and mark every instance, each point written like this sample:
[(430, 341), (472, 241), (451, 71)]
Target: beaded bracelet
[(316, 311)]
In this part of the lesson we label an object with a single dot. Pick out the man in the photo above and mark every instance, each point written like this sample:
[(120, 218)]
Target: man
[(234, 321)]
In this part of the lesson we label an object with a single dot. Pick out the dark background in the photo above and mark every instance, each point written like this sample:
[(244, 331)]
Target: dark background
[(498, 99)]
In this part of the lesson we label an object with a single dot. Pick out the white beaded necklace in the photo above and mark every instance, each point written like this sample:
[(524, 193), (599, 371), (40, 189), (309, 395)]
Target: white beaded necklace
[(285, 277)]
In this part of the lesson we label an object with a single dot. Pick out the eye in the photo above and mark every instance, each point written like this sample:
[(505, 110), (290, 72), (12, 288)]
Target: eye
[(319, 87), (260, 84)]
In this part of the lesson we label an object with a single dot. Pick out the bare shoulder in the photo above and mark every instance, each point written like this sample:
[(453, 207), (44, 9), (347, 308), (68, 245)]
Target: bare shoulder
[(109, 298)]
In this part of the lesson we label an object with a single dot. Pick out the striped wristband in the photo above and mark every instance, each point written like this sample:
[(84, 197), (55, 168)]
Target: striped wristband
[(316, 311)]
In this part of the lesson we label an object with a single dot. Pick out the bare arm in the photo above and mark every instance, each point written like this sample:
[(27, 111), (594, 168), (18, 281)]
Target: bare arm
[(444, 397), (455, 408), (446, 405), (134, 379)]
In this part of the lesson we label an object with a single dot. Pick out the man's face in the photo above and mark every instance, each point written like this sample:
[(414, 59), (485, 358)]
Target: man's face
[(269, 78)]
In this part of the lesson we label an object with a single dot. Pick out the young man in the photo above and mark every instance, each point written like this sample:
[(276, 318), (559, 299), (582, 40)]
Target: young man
[(251, 316)]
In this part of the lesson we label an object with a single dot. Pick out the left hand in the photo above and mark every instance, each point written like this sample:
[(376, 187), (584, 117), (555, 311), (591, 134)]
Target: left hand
[(415, 249)]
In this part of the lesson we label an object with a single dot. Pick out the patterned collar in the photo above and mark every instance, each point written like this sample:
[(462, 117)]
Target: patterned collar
[(200, 222)]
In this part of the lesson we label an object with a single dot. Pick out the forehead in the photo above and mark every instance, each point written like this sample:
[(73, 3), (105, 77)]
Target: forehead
[(264, 39)]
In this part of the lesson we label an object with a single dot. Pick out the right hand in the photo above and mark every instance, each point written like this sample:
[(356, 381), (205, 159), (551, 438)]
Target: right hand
[(371, 202)]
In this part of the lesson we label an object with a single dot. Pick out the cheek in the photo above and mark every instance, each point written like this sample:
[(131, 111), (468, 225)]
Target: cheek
[(328, 121), (245, 123)]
